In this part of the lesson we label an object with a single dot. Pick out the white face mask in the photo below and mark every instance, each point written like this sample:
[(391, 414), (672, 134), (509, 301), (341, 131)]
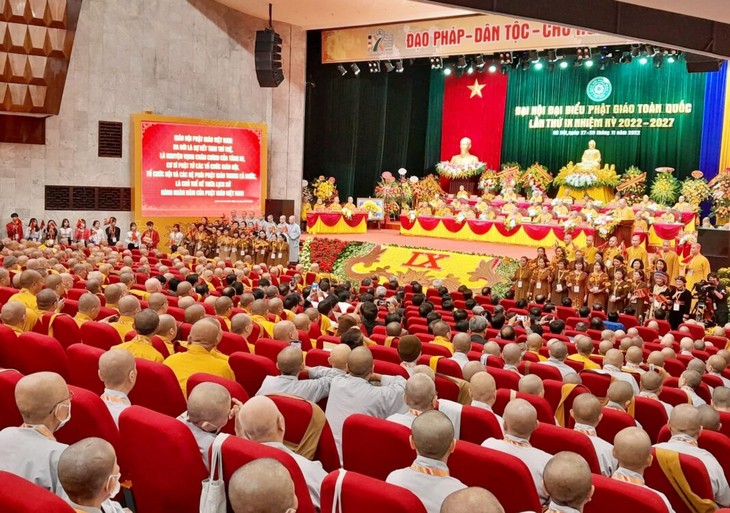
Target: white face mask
[(68, 417), (117, 484)]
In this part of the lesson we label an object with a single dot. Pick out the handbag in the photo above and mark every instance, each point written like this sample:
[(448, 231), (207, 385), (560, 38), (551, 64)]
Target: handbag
[(213, 494), (337, 499)]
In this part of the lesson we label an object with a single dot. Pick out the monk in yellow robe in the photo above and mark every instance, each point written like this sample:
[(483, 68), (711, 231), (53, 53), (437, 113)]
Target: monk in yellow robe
[(697, 268), (637, 252)]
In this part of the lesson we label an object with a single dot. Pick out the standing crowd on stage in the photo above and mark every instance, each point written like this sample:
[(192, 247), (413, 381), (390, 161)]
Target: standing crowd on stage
[(594, 363)]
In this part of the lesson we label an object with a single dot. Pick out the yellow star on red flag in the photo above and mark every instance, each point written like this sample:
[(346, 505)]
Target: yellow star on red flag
[(476, 89)]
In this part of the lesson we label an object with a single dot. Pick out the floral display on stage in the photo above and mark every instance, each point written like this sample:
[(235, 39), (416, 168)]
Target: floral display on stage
[(720, 187), (455, 171), (665, 188), (489, 182), (632, 185), (575, 177), (324, 189), (426, 189), (355, 261), (395, 193), (695, 189), (534, 177)]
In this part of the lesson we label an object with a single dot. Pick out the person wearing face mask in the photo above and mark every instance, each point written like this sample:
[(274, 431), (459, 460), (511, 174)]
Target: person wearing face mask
[(31, 450), (209, 409), (118, 371), (89, 473)]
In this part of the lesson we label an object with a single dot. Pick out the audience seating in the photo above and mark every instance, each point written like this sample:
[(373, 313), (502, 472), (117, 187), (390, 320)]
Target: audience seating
[(99, 334), (231, 342), (554, 393), (237, 452), (695, 472), (612, 422), (33, 352), (163, 461), (716, 443), (610, 494), (18, 495), (90, 418), (652, 416), (478, 424), (553, 439), (385, 354), (251, 369), (540, 369), (544, 412), (596, 382), (444, 365), (363, 494), (9, 416), (83, 367), (157, 388), (317, 357), (269, 348), (65, 329), (504, 379)]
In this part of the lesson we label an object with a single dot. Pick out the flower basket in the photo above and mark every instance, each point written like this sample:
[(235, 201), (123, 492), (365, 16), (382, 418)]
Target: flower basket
[(459, 171)]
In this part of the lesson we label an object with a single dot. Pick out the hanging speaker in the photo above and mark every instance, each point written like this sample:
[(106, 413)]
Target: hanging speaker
[(268, 58), (701, 64)]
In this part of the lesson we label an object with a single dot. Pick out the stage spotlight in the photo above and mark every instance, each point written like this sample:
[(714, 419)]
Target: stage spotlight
[(671, 59), (479, 61), (447, 71), (534, 56), (658, 60), (589, 63), (492, 68), (643, 61), (374, 66), (538, 65), (399, 66), (470, 70), (388, 66), (584, 53), (635, 50), (461, 62), (627, 58), (505, 58), (563, 64), (355, 68), (436, 63), (341, 70)]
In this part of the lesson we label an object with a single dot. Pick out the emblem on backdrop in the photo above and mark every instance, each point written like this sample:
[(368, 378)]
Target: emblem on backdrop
[(599, 89)]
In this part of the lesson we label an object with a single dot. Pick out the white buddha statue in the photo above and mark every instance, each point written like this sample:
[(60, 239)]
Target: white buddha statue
[(591, 160), (464, 157)]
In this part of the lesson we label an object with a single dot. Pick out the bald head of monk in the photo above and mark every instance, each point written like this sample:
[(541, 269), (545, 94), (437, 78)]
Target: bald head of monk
[(302, 322), (534, 342), (420, 393), (651, 382), (621, 393), (567, 480), (613, 357), (511, 354), (13, 314), (194, 313), (167, 327), (632, 449), (558, 350), (43, 398), (338, 357), (721, 399), (586, 410), (685, 419), (129, 306), (88, 472), (285, 331), (471, 368), (31, 280), (260, 420), (262, 486), (531, 384), (432, 435), (185, 302), (584, 345), (158, 302), (483, 388), (258, 307), (223, 306), (709, 418), (146, 322), (89, 304), (360, 363), (290, 361), (520, 418), (634, 355), (117, 370), (241, 324), (473, 500), (209, 406), (47, 300), (205, 333), (462, 343)]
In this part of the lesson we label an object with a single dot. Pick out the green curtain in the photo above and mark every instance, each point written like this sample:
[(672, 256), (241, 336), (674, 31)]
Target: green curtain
[(435, 119), (359, 126), (634, 83)]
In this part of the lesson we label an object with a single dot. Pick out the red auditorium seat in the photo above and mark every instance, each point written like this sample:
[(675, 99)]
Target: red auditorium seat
[(724, 418), (100, 334), (363, 494), (90, 418), (611, 494), (70, 307), (544, 411), (177, 313), (674, 396), (251, 369), (183, 331), (32, 352), (269, 348), (392, 369), (375, 447), (159, 344), (478, 424), (18, 495), (435, 350), (629, 321), (695, 472), (674, 367), (83, 367), (612, 422), (385, 354), (647, 334), (297, 415), (596, 382), (651, 415), (554, 393), (75, 294), (317, 357), (163, 461), (237, 452), (504, 378), (540, 369), (64, 328), (231, 342), (9, 414), (443, 365), (697, 331), (553, 439), (157, 388), (234, 388), (6, 293)]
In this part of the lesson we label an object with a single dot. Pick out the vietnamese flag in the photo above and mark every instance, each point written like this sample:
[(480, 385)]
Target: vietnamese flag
[(474, 108)]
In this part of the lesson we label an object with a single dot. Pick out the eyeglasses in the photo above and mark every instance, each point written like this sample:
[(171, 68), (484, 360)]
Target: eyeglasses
[(70, 396)]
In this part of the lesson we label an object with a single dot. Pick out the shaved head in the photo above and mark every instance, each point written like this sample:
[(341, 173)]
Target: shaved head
[(511, 354), (194, 313), (567, 479), (129, 306), (209, 402), (84, 469), (613, 357), (262, 486), (260, 420), (709, 418), (685, 419), (420, 392), (433, 435), (620, 392), (651, 382), (89, 303), (158, 302), (290, 361), (285, 331), (520, 418), (531, 384), (360, 362), (473, 500), (146, 322), (483, 388), (205, 333), (721, 398), (586, 409), (471, 368), (558, 350), (115, 366), (462, 343), (339, 355), (36, 395), (13, 313), (632, 449)]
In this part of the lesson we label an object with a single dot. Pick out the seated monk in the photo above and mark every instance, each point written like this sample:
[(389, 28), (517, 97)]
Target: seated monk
[(319, 206), (509, 207), (537, 197), (545, 216), (423, 209), (669, 216), (623, 211), (335, 206), (488, 196), (682, 205), (561, 210), (508, 194), (467, 212), (462, 194), (444, 211), (437, 203), (350, 205), (589, 211), (482, 205)]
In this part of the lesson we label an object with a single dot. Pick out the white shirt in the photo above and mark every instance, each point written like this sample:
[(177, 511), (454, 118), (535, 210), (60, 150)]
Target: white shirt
[(27, 453), (651, 395), (431, 490), (203, 438), (312, 471), (97, 236), (314, 389), (696, 400), (460, 358), (687, 445), (563, 367), (604, 450), (635, 476), (560, 508), (128, 239), (350, 395), (617, 373), (485, 406), (116, 402), (725, 381), (533, 458)]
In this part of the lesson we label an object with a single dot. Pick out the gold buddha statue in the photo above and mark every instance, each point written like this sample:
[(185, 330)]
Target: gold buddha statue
[(464, 157), (591, 159)]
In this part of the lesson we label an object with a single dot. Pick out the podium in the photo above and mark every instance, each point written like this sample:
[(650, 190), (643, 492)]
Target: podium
[(623, 232)]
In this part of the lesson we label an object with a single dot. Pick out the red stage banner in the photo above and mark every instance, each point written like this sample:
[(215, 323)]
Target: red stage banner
[(200, 169), (474, 108)]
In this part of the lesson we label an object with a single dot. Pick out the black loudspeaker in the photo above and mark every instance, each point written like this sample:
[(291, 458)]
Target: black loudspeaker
[(701, 64), (268, 58)]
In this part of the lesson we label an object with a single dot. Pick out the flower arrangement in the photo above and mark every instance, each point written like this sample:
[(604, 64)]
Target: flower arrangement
[(665, 188), (324, 251), (489, 182), (451, 171), (534, 177), (371, 207), (695, 189), (606, 224), (324, 189), (632, 185), (720, 187), (346, 213), (572, 176), (426, 189), (306, 193)]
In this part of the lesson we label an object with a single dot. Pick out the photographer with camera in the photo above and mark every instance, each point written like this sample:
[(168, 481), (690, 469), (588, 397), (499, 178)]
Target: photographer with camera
[(718, 295)]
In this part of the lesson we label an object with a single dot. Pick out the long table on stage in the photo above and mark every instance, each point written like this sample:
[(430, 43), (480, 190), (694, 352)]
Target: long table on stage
[(334, 222), (534, 235)]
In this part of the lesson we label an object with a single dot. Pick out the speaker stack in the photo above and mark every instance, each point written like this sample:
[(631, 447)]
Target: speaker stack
[(268, 58)]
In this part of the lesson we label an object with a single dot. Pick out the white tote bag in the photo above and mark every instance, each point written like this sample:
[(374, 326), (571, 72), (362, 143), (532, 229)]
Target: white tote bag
[(337, 499), (213, 496)]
